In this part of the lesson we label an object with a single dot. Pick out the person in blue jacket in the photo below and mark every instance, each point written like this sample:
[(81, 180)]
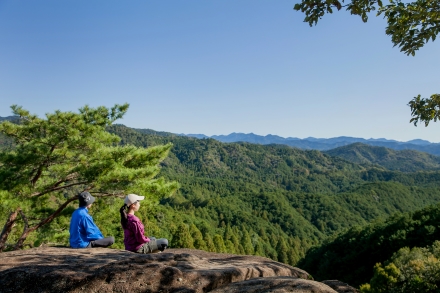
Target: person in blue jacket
[(83, 231)]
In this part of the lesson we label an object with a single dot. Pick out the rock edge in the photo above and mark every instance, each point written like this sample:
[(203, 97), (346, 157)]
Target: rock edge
[(52, 269)]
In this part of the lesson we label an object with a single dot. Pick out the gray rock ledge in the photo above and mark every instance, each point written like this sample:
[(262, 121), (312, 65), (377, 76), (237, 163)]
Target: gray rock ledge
[(55, 269)]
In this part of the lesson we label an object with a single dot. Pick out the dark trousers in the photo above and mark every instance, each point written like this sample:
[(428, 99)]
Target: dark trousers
[(154, 245), (103, 242)]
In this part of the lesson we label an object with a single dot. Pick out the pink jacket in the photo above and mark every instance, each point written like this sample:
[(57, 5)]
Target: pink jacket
[(134, 236)]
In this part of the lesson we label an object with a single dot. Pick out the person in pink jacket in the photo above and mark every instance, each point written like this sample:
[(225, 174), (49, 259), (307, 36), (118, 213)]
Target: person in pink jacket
[(134, 237)]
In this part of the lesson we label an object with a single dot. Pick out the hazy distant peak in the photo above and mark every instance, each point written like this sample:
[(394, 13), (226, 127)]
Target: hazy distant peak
[(274, 136), (382, 139), (323, 144), (9, 118), (200, 136), (241, 135), (419, 142)]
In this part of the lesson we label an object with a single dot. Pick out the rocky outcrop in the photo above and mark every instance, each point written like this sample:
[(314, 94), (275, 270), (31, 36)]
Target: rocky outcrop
[(340, 287), (53, 269), (275, 284)]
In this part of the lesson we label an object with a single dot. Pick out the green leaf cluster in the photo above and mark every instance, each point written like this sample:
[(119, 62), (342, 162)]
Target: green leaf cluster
[(410, 25), (413, 270), (425, 110), (54, 158)]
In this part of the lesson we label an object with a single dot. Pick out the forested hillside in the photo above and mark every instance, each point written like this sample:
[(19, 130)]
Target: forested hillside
[(351, 256), (243, 198), (404, 160), (272, 191)]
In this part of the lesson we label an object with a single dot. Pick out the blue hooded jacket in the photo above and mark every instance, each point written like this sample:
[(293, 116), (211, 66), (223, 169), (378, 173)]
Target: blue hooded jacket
[(83, 229)]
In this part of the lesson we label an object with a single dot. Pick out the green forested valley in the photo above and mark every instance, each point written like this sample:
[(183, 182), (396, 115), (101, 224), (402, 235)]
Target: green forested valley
[(352, 255), (271, 200), (403, 160), (278, 194)]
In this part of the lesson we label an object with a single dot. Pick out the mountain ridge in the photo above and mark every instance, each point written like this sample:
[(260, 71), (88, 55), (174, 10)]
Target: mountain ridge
[(309, 143), (325, 144), (397, 160)]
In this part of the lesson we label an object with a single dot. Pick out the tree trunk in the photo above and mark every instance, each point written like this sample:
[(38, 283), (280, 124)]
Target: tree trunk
[(19, 244), (27, 230), (8, 227)]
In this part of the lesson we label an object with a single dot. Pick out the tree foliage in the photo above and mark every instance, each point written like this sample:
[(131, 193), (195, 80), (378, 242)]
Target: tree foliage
[(269, 200), (255, 195), (410, 25), (66, 153), (400, 160), (351, 256), (413, 270), (425, 110)]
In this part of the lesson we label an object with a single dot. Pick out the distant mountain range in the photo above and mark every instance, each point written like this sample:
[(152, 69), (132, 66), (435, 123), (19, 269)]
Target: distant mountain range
[(9, 118), (309, 143), (324, 144), (403, 160)]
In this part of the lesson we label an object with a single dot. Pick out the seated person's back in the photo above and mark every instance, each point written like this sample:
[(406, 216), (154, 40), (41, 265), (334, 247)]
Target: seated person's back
[(83, 231)]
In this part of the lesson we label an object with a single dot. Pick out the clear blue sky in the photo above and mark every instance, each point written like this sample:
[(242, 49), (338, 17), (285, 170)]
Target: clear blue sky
[(214, 67)]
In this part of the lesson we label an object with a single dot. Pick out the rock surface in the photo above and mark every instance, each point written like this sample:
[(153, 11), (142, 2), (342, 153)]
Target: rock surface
[(53, 269), (275, 284), (340, 287)]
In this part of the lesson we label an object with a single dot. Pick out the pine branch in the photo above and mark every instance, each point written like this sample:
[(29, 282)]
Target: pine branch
[(40, 168), (47, 220), (103, 194), (57, 188)]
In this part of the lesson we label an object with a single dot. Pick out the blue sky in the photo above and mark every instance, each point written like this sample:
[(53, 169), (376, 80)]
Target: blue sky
[(214, 67)]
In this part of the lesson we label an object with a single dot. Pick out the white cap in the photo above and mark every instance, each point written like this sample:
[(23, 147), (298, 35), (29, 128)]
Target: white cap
[(132, 198)]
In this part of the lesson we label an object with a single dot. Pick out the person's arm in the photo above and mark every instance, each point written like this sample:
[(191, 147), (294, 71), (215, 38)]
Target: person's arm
[(138, 230), (92, 231)]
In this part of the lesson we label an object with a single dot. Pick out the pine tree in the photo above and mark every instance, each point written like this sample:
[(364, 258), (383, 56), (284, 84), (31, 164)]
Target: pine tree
[(228, 232), (259, 250), (230, 247), (262, 234), (236, 244), (209, 243), (246, 242), (282, 251), (240, 249), (199, 243), (270, 252), (182, 238), (56, 158), (292, 255), (219, 244)]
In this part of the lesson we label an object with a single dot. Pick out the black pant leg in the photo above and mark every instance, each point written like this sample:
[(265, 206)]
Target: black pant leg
[(103, 242)]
